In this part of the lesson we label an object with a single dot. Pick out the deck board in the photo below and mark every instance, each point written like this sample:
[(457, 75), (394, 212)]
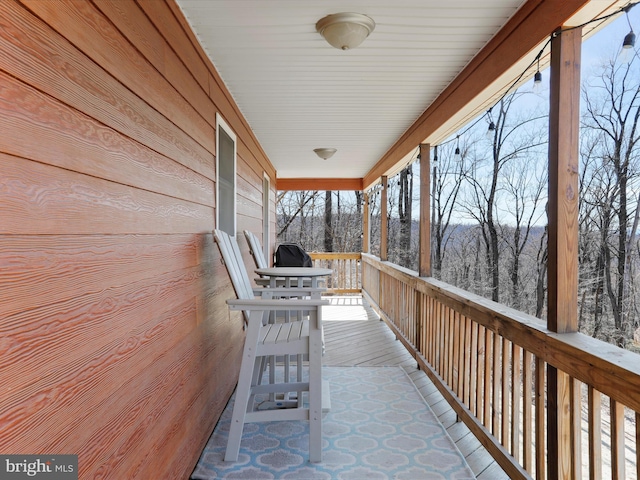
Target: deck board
[(355, 336)]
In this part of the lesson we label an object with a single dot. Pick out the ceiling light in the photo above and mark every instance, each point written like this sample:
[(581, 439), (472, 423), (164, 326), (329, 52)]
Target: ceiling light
[(325, 153), (345, 30)]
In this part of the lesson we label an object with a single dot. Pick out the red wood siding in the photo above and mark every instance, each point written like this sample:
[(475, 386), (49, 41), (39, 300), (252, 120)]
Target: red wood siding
[(115, 340)]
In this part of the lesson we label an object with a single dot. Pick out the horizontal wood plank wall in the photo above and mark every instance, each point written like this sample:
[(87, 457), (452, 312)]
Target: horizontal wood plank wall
[(115, 340)]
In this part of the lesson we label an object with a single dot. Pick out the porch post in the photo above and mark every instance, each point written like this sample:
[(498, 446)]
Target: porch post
[(424, 261), (383, 219), (564, 117), (366, 229)]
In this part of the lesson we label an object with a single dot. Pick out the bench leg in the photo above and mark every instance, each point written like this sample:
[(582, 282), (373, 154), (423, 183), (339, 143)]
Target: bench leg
[(243, 391), (258, 373), (315, 397)]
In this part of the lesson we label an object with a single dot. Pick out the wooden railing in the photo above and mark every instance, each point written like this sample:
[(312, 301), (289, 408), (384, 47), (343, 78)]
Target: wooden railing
[(347, 273), (491, 363)]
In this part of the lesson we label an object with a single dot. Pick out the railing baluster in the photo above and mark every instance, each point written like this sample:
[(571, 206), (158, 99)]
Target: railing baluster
[(506, 396), (458, 356), (617, 440), (446, 326), (496, 384), (433, 329), (466, 361), (440, 338), (576, 427), (426, 315), (515, 400), (443, 344), (473, 369), (426, 302), (637, 445), (488, 363), (458, 366), (527, 411), (451, 320), (428, 327), (595, 433), (541, 467), (421, 320), (482, 353), (414, 314)]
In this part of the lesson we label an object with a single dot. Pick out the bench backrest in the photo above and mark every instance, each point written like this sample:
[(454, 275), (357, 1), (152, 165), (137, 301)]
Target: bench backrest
[(235, 265), (256, 249)]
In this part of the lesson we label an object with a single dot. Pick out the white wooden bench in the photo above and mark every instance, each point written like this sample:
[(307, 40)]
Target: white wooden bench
[(268, 340), (256, 250)]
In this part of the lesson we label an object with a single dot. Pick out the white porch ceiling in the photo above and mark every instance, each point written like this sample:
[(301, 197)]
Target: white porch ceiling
[(298, 93)]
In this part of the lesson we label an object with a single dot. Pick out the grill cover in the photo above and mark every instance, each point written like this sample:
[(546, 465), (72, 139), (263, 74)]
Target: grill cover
[(292, 255)]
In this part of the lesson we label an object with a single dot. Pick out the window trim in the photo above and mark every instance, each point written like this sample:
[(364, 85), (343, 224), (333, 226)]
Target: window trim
[(266, 199), (222, 124)]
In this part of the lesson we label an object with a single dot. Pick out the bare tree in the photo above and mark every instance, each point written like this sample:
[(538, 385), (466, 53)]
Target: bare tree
[(359, 204), (542, 258), (445, 185), (596, 192), (612, 103), (405, 201), (374, 222), (524, 188), (291, 206), (328, 227), (511, 140)]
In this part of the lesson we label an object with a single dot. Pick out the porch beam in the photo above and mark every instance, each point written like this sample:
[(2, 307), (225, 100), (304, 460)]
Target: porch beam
[(529, 26), (562, 269), (424, 268), (320, 184), (384, 234)]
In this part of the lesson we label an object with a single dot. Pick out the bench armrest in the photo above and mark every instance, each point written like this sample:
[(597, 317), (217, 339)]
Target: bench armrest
[(288, 292), (271, 304)]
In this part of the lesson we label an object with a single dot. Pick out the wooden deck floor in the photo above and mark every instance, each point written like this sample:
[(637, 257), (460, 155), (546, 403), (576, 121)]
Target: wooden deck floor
[(355, 336)]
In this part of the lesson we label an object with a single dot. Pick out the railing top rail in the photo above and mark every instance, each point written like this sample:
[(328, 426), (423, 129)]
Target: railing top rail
[(608, 368), (335, 255)]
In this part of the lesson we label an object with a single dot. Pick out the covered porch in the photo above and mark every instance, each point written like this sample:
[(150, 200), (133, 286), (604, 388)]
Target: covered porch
[(133, 128), (483, 369), (474, 364)]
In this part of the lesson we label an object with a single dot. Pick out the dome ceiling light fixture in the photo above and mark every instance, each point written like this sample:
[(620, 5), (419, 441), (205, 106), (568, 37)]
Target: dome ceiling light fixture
[(345, 31), (325, 153)]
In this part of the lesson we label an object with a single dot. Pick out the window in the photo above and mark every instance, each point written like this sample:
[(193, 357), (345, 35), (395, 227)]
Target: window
[(226, 177), (266, 187)]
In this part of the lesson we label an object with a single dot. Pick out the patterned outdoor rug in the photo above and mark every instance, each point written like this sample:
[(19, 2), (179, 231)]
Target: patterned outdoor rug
[(379, 427)]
